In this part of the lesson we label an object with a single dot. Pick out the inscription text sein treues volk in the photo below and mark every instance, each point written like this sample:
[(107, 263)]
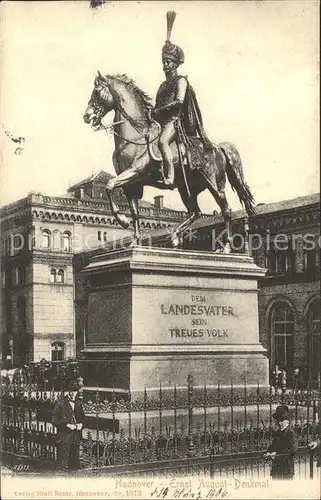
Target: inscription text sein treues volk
[(200, 314)]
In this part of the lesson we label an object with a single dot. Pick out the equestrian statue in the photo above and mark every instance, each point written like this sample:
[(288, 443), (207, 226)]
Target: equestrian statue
[(165, 146)]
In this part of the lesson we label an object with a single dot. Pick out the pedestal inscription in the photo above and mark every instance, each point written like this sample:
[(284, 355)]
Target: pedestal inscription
[(189, 317), (156, 315)]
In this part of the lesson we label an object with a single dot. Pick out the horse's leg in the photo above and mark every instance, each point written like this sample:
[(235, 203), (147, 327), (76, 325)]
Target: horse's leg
[(227, 216), (133, 206), (220, 198), (126, 177), (194, 213)]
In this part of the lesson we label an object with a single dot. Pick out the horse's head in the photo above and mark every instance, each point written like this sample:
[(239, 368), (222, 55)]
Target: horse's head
[(100, 103), (118, 92)]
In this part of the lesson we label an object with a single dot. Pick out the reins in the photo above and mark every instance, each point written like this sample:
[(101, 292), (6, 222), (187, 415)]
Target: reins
[(111, 129)]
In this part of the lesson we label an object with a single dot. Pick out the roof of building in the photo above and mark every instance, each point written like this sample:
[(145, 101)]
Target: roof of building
[(262, 209), (101, 175)]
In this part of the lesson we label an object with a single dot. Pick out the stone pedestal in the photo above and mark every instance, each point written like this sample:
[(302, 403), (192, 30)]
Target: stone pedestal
[(156, 315)]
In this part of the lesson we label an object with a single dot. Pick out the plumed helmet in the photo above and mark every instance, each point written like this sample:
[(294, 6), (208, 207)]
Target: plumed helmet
[(171, 51)]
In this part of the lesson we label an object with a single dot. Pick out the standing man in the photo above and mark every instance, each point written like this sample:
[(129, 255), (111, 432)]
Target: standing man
[(283, 446), (176, 104), (68, 416)]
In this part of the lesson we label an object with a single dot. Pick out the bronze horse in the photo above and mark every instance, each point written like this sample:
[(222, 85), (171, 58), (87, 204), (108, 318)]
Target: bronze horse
[(137, 163)]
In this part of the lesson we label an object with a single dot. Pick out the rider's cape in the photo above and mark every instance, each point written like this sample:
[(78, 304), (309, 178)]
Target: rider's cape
[(191, 118)]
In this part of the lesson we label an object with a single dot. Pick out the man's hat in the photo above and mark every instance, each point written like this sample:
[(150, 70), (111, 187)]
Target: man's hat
[(170, 50), (282, 413)]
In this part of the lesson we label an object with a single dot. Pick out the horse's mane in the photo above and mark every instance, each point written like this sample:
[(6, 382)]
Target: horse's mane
[(122, 77)]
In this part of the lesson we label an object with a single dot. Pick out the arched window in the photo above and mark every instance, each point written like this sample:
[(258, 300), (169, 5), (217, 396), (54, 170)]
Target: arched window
[(314, 339), (61, 276), (18, 242), (282, 327), (45, 238), (67, 241), (57, 351), (56, 239), (53, 275)]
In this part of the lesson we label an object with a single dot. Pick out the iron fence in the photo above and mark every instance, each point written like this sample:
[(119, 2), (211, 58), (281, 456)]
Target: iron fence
[(190, 424)]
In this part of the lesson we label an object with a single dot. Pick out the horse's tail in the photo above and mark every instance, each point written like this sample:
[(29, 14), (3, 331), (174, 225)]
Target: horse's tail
[(235, 175)]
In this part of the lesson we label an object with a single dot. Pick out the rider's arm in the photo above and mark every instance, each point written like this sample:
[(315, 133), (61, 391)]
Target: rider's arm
[(181, 89)]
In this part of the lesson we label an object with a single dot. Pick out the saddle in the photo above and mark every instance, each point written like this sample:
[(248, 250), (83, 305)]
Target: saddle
[(191, 151)]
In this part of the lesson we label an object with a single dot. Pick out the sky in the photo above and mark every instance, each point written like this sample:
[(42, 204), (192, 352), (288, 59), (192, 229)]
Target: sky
[(253, 64)]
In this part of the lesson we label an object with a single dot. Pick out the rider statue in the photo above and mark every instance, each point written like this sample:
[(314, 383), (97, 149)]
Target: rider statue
[(176, 108)]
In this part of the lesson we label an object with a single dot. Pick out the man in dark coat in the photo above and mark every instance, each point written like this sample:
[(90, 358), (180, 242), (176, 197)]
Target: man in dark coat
[(68, 416), (283, 446)]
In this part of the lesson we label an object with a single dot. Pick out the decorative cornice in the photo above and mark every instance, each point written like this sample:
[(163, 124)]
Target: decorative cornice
[(146, 259), (47, 257), (54, 336), (52, 204)]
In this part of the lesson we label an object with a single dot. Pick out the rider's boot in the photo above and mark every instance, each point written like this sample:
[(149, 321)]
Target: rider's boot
[(169, 179)]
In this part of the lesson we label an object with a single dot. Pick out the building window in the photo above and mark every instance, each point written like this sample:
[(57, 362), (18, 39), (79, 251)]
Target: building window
[(57, 351), (45, 239), (279, 262), (17, 275), (311, 262), (61, 276), (67, 241), (99, 235), (18, 242), (53, 275), (282, 327), (5, 246), (314, 340), (57, 275), (105, 236)]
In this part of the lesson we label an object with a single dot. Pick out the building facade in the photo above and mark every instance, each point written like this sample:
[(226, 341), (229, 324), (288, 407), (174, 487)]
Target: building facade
[(39, 237), (284, 238), (46, 241)]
